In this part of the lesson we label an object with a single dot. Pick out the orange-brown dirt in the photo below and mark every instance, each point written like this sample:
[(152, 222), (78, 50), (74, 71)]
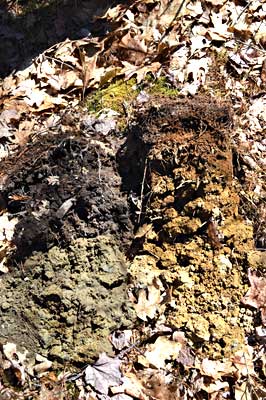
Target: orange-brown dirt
[(194, 239)]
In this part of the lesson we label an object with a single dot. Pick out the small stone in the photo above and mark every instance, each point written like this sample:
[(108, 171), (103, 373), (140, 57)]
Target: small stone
[(56, 351), (5, 306)]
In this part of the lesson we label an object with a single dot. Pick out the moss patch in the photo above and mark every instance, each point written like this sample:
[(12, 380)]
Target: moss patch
[(163, 87), (115, 96)]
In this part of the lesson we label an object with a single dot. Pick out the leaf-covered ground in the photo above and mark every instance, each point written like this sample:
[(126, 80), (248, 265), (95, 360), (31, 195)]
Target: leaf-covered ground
[(132, 203)]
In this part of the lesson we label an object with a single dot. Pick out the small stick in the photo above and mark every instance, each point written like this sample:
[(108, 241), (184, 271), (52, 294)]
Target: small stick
[(142, 190)]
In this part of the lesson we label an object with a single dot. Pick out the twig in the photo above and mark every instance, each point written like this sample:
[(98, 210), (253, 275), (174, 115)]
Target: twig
[(170, 27), (142, 190)]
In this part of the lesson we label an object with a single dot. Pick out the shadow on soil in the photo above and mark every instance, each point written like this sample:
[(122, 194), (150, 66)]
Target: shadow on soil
[(25, 36)]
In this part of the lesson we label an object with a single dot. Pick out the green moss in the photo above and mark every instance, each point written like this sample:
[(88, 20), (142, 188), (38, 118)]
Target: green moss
[(115, 96), (162, 86), (120, 95)]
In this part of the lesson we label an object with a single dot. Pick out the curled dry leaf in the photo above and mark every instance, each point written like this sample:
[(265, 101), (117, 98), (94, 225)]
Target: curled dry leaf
[(161, 351), (256, 295), (104, 374)]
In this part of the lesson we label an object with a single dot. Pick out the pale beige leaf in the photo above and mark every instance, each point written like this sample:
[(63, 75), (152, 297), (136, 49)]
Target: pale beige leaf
[(45, 69), (162, 350), (256, 295), (129, 70), (7, 227), (148, 302), (219, 31), (24, 88), (216, 369), (243, 391), (35, 97), (131, 386)]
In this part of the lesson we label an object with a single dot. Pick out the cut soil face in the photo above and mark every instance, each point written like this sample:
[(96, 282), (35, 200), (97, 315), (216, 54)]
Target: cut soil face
[(67, 285), (193, 239), (66, 290)]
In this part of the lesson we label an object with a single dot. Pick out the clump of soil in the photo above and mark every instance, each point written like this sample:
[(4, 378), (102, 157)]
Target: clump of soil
[(66, 289), (64, 187), (197, 242)]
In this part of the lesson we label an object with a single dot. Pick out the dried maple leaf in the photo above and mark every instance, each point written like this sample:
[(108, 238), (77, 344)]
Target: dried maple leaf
[(104, 374), (148, 302), (256, 295), (162, 350)]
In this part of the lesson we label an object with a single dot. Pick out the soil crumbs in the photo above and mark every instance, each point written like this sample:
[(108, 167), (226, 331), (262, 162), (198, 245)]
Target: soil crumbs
[(67, 285)]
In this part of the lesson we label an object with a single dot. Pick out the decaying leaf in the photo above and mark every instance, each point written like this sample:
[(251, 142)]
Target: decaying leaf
[(216, 369), (140, 71), (148, 302), (17, 360), (7, 227), (132, 386), (121, 339), (256, 295), (104, 374), (161, 351), (243, 391), (243, 362)]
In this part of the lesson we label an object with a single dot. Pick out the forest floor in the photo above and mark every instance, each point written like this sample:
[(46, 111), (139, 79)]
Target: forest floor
[(132, 205)]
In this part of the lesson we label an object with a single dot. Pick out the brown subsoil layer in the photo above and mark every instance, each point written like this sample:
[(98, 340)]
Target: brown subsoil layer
[(191, 235)]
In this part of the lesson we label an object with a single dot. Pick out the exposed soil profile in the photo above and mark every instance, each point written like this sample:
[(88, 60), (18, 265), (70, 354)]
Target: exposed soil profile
[(76, 196), (191, 235), (66, 290)]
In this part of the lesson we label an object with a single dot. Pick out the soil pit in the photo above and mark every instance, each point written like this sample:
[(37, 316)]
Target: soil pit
[(67, 284)]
